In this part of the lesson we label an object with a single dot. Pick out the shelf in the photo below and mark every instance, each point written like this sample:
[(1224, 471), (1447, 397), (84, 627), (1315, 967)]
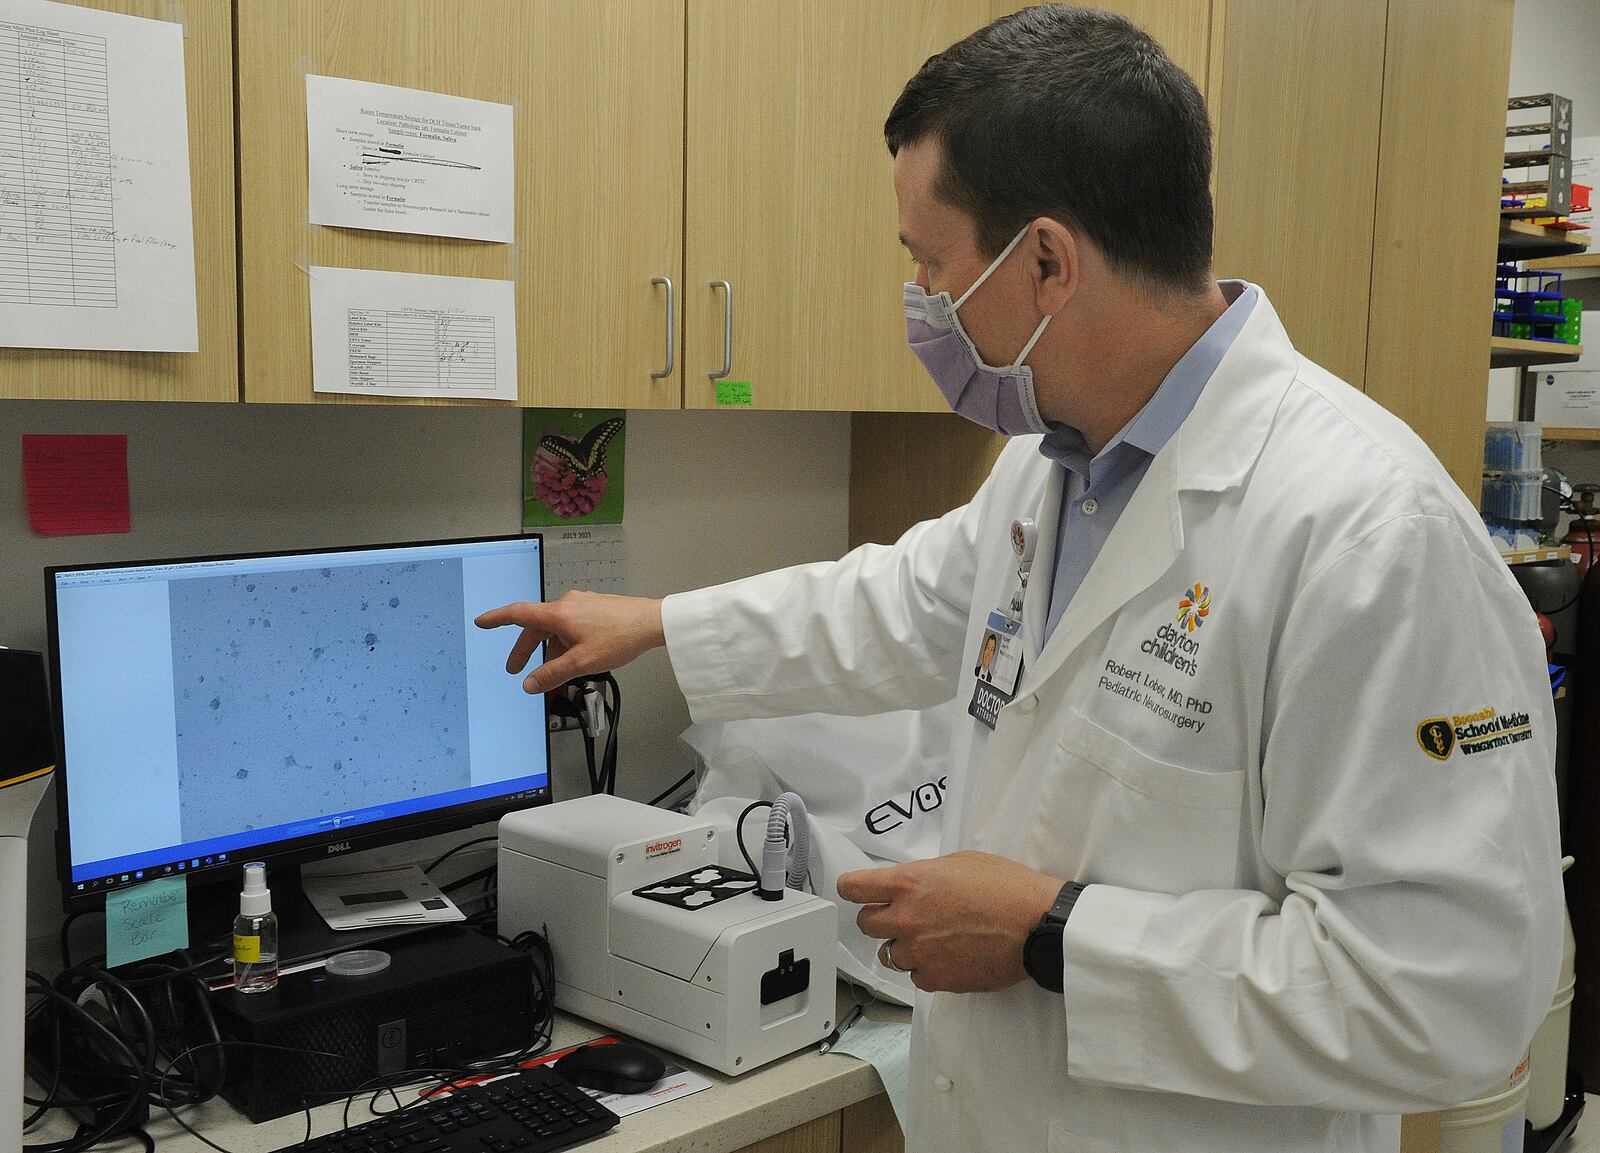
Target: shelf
[(1572, 262), (1570, 433), (1522, 241), (1536, 555), (1530, 158), (1505, 352)]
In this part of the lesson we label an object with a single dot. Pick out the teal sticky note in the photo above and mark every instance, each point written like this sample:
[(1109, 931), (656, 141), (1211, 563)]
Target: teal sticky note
[(147, 920), (733, 393)]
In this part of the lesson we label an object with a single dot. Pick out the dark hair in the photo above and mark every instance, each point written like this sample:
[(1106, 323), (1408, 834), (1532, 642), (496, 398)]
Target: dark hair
[(1078, 115)]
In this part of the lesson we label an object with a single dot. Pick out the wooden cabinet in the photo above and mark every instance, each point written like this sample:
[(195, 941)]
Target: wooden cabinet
[(789, 193), (1297, 103), (870, 1126), (906, 468), (867, 1126), (1439, 162), (732, 141), (817, 1136), (1358, 164), (740, 141), (212, 373), (790, 198), (597, 88)]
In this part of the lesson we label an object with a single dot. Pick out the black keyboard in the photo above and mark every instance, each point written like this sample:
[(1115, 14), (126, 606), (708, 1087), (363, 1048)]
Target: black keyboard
[(531, 1111)]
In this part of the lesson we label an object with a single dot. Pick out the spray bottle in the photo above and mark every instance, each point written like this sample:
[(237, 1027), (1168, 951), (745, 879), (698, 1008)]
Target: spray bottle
[(255, 934)]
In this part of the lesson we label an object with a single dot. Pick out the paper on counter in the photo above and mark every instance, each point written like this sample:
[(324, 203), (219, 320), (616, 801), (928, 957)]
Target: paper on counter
[(404, 160), (886, 1046), (96, 231), (405, 334)]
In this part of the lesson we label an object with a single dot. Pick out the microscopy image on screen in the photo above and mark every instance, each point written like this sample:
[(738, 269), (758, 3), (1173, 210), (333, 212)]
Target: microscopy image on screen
[(317, 691)]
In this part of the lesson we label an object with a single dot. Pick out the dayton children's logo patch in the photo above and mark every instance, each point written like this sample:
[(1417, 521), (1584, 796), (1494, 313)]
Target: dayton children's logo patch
[(1193, 607)]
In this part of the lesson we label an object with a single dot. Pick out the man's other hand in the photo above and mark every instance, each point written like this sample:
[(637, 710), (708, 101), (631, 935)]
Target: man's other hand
[(956, 923)]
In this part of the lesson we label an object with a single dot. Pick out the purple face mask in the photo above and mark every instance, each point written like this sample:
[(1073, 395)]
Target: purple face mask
[(997, 398)]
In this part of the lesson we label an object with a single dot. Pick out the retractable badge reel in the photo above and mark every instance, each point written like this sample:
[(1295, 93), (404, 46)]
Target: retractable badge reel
[(1024, 540), (998, 665)]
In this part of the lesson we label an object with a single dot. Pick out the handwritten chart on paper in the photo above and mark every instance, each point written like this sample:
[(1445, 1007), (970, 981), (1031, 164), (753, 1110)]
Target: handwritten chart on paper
[(405, 334), (421, 348), (403, 160), (96, 236), (57, 115)]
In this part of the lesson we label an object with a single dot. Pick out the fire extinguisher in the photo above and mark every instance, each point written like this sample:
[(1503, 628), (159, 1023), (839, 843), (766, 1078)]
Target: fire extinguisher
[(1583, 534)]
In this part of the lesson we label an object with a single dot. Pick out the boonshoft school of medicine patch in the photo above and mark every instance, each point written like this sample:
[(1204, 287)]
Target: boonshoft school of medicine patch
[(1437, 737)]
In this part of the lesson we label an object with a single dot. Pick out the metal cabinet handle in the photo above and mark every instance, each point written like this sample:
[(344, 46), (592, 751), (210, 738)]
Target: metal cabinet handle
[(672, 311), (727, 330)]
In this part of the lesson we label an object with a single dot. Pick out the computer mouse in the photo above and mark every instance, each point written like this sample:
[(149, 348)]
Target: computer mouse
[(617, 1067)]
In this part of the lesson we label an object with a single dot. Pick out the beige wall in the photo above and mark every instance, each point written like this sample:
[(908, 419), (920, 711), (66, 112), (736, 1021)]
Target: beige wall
[(711, 496)]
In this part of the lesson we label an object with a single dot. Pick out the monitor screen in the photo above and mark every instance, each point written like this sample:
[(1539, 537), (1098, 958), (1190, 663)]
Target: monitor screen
[(277, 705)]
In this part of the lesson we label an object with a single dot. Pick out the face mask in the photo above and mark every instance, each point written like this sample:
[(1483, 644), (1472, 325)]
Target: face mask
[(997, 398)]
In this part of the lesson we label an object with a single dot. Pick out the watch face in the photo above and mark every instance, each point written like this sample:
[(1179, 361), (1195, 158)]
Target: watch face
[(1043, 955)]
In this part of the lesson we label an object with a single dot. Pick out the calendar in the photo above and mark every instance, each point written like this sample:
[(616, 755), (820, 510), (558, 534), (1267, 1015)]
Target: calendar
[(592, 557)]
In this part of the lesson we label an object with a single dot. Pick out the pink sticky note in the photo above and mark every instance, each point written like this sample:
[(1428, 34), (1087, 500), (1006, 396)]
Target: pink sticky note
[(76, 484)]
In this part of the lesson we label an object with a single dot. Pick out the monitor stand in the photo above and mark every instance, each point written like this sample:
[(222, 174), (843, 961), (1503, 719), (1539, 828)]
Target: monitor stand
[(303, 935)]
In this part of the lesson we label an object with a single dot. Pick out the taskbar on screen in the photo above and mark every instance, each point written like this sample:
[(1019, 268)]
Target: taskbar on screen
[(181, 860)]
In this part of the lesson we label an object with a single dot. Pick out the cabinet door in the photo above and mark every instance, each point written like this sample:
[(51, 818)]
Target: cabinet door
[(1445, 77), (597, 87), (790, 197), (789, 191), (212, 373), (1297, 100), (891, 484)]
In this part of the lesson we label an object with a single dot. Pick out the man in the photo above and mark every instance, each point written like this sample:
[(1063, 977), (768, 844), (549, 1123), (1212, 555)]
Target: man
[(985, 670), (1259, 851)]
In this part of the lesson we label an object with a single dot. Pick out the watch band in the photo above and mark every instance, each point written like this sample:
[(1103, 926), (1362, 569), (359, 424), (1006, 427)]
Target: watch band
[(1043, 954)]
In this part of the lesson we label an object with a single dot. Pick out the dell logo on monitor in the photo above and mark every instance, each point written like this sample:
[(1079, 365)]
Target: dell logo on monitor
[(339, 847)]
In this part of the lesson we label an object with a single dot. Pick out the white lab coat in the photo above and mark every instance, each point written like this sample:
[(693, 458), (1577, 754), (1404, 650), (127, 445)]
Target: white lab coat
[(1300, 924)]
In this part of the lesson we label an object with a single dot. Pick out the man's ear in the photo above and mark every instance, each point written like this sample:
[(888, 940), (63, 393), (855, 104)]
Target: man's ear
[(1053, 262)]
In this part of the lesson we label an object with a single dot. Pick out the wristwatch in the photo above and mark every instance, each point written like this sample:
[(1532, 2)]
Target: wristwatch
[(1042, 954)]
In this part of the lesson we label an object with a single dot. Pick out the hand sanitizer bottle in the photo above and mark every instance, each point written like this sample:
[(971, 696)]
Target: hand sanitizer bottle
[(255, 934)]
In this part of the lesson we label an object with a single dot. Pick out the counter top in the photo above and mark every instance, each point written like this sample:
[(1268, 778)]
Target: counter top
[(733, 1113)]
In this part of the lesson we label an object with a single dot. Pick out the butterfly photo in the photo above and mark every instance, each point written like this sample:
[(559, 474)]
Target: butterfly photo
[(587, 455), (572, 470)]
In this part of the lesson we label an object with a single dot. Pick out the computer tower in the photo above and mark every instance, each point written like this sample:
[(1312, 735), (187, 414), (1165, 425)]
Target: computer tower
[(27, 737), (449, 996)]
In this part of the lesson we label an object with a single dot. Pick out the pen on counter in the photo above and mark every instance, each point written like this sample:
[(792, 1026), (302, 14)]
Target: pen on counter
[(832, 1038)]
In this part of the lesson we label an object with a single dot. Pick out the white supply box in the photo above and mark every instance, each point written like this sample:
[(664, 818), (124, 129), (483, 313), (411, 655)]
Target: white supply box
[(1567, 398), (652, 936)]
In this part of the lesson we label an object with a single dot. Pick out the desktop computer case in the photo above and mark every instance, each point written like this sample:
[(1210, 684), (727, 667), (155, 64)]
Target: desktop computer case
[(450, 995)]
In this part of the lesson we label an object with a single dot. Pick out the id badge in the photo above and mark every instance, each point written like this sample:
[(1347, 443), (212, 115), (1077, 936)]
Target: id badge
[(997, 668)]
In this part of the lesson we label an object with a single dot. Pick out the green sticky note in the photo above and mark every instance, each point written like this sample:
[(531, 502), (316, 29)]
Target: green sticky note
[(733, 393), (147, 920)]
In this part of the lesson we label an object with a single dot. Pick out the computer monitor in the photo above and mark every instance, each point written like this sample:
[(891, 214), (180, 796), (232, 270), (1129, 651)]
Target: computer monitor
[(285, 706)]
